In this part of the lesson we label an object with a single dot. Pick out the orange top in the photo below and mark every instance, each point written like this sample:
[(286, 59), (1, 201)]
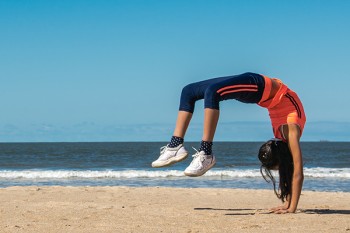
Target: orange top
[(284, 108)]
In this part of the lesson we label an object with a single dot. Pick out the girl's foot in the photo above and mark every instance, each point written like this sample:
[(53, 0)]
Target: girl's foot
[(170, 156), (200, 164)]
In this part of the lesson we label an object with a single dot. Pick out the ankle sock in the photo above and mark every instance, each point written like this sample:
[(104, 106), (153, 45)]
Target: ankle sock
[(206, 147), (175, 142)]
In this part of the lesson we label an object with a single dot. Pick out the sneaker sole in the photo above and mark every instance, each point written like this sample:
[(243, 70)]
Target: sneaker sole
[(201, 173), (171, 161)]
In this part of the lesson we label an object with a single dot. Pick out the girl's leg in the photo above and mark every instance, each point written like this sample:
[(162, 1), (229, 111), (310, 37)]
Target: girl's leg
[(189, 95), (211, 118), (204, 159), (175, 151), (182, 122)]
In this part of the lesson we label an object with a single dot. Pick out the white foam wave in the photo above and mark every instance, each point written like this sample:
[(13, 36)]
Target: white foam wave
[(64, 174), (129, 174), (321, 172)]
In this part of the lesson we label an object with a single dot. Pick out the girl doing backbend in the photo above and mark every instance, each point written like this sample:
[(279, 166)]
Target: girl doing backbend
[(287, 117)]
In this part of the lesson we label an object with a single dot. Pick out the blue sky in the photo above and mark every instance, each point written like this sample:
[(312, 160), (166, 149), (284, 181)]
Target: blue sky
[(113, 70)]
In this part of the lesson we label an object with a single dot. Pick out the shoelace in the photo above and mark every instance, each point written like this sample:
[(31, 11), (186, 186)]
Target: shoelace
[(163, 149), (197, 155)]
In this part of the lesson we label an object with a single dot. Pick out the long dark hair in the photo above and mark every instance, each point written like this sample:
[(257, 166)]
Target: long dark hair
[(276, 154)]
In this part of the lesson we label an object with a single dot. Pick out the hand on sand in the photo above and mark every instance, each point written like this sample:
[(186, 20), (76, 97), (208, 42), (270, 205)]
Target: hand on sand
[(282, 207), (283, 211), (280, 210)]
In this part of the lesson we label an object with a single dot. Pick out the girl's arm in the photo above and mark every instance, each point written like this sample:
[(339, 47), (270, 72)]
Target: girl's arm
[(293, 137)]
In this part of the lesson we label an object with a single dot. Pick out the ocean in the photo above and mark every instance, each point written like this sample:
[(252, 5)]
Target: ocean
[(327, 165)]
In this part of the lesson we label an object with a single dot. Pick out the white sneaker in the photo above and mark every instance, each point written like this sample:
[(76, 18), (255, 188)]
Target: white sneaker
[(200, 164), (170, 156)]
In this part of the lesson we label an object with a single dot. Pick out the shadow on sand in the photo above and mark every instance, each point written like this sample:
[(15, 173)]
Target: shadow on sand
[(261, 211), (324, 211), (238, 211)]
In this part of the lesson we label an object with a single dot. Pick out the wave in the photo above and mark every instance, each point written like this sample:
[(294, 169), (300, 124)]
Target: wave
[(318, 172)]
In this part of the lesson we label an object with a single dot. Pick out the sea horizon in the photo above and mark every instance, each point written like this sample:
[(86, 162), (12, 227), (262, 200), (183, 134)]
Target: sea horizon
[(240, 131)]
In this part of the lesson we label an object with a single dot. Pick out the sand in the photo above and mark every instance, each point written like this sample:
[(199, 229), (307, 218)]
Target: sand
[(160, 209)]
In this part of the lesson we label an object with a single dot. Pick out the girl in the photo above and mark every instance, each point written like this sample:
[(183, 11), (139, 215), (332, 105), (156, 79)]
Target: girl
[(287, 118)]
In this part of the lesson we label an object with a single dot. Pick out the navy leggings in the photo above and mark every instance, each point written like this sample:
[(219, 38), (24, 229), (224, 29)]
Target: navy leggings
[(246, 88)]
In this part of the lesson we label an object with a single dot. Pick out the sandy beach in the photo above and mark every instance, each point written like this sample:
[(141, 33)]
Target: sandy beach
[(160, 209)]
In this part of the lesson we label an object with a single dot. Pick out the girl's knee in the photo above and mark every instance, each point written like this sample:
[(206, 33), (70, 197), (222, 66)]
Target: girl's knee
[(211, 93), (211, 97), (188, 89), (188, 98)]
